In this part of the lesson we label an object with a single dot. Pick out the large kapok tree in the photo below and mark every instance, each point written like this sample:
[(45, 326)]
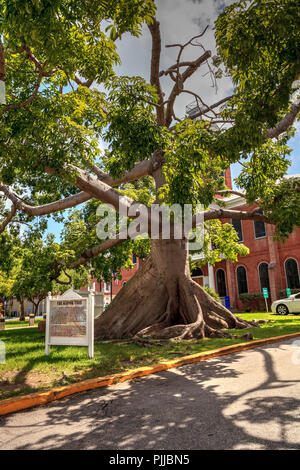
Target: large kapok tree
[(58, 63)]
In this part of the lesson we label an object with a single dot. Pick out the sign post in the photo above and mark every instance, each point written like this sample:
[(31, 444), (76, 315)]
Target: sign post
[(266, 296), (91, 308), (288, 292), (70, 321)]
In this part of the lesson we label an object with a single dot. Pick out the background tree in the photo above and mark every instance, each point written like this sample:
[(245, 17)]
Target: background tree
[(8, 242), (29, 269), (53, 54), (35, 272)]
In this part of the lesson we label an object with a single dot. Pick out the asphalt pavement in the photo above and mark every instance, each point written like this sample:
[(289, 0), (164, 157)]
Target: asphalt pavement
[(247, 400)]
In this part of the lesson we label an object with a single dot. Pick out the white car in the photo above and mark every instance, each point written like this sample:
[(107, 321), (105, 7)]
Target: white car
[(286, 306)]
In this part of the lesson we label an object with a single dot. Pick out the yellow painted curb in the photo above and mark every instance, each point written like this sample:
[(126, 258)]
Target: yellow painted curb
[(12, 405)]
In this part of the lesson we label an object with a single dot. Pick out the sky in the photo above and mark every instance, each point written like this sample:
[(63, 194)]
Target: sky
[(180, 20)]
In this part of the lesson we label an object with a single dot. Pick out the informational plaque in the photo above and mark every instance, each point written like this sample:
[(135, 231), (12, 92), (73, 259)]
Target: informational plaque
[(70, 321)]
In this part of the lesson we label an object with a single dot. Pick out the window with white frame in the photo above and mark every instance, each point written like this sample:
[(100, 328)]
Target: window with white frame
[(292, 273), (106, 287)]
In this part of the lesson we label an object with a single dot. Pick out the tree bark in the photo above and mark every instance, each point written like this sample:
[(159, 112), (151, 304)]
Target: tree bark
[(22, 315), (162, 301), (35, 307)]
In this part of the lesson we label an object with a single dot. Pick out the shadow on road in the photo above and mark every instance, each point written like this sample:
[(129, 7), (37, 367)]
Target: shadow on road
[(206, 405)]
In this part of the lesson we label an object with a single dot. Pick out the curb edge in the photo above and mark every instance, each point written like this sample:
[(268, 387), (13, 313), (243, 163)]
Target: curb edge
[(11, 405)]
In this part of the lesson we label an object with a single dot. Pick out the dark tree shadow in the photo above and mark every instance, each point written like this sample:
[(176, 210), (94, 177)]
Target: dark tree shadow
[(186, 408)]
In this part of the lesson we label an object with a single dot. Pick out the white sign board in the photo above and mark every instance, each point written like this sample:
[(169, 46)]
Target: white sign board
[(70, 321)]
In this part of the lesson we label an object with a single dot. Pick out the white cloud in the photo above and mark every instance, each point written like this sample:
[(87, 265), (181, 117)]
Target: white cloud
[(180, 20)]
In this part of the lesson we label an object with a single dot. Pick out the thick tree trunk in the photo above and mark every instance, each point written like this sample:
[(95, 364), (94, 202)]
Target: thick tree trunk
[(35, 307), (22, 314), (162, 301)]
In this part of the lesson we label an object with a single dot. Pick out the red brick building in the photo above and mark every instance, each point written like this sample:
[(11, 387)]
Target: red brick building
[(110, 290), (270, 264)]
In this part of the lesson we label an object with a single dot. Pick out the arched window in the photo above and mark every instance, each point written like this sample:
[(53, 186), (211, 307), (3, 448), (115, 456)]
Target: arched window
[(292, 273), (221, 283), (263, 271), (106, 287), (197, 272), (242, 282), (237, 224)]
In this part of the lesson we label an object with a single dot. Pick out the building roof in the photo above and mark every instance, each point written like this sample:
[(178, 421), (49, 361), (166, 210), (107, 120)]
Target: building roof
[(70, 294), (234, 200)]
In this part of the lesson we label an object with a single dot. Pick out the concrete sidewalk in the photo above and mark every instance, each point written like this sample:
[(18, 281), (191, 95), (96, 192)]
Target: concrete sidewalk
[(20, 328), (248, 400)]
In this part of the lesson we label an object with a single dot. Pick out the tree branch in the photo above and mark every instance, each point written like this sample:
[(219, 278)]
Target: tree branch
[(174, 67), (154, 28), (29, 100), (180, 80), (140, 170), (213, 106), (229, 214), (8, 219), (98, 249), (207, 215), (195, 65), (41, 73), (45, 209), (101, 191), (286, 122), (87, 83)]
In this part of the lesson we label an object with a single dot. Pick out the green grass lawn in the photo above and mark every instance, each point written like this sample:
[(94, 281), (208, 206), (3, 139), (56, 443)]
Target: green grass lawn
[(19, 324), (27, 369)]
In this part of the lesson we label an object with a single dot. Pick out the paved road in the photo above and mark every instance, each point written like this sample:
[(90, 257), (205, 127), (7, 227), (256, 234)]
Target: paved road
[(249, 400)]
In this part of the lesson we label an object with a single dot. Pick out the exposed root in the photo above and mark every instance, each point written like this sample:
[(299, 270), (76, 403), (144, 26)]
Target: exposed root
[(166, 321), (248, 336), (139, 305), (144, 343), (217, 316), (213, 333), (215, 321), (186, 309), (162, 302), (241, 324)]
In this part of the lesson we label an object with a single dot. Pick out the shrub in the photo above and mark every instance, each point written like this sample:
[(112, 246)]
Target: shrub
[(282, 293), (254, 302), (212, 293)]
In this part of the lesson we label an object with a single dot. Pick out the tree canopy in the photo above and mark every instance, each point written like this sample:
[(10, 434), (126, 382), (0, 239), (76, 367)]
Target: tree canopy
[(58, 61)]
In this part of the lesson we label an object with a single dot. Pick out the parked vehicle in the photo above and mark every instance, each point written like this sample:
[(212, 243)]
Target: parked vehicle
[(286, 306)]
